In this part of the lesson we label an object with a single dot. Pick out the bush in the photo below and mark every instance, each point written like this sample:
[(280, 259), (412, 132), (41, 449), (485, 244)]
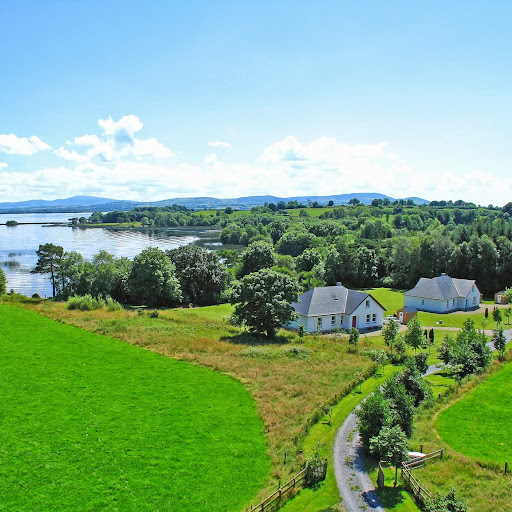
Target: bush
[(85, 303), (112, 304), (153, 313), (294, 351), (420, 360)]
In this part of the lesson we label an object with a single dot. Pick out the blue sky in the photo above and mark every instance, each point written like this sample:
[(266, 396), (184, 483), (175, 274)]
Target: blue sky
[(153, 100)]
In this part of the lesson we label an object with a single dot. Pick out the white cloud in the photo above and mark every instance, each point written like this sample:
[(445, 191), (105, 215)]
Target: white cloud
[(219, 144), (117, 142), (86, 140), (127, 124), (13, 145), (3, 165)]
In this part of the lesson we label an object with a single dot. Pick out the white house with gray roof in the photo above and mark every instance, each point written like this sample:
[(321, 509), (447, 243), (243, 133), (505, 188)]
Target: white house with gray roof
[(443, 294), (329, 307)]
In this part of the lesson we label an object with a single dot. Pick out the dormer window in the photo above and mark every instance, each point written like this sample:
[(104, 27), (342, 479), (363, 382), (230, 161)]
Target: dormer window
[(367, 304)]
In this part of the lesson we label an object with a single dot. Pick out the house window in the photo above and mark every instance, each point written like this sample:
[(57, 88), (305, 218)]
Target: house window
[(341, 319), (374, 317), (422, 302), (318, 322), (333, 320), (367, 304), (447, 303), (473, 288), (367, 319), (474, 300), (453, 302)]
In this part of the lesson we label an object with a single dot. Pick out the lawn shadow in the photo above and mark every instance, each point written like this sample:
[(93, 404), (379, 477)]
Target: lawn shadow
[(248, 338), (390, 497)]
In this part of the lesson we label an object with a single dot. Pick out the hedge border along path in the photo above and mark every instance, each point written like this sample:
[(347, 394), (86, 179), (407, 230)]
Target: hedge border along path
[(90, 423), (478, 425)]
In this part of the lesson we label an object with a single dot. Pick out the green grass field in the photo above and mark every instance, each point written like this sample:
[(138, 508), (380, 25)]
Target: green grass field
[(478, 426), (92, 423)]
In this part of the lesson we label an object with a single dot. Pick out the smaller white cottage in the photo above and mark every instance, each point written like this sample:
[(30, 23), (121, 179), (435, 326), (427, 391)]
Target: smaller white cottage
[(329, 307), (443, 294)]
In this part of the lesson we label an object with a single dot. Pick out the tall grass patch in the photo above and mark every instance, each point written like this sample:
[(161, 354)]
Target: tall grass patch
[(90, 423)]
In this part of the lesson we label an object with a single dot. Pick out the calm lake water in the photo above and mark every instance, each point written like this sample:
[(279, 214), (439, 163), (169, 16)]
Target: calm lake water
[(18, 245)]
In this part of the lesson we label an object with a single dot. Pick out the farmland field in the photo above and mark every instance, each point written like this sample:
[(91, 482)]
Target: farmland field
[(89, 423), (478, 425)]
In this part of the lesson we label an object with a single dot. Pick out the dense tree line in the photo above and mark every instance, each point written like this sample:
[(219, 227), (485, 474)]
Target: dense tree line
[(153, 278), (365, 246), (390, 244)]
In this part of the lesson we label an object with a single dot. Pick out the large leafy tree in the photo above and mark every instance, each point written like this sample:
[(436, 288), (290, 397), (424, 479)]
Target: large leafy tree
[(257, 256), (49, 261), (152, 281), (263, 301), (390, 444), (373, 414), (201, 275)]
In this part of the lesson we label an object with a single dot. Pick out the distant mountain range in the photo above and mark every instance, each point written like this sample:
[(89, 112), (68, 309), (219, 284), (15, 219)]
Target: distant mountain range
[(77, 204)]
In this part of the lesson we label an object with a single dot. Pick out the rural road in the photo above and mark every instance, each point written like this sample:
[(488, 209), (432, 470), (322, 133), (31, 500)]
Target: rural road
[(356, 488)]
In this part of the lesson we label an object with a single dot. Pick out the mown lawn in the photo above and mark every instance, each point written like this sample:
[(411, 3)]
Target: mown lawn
[(91, 423), (289, 378), (479, 425)]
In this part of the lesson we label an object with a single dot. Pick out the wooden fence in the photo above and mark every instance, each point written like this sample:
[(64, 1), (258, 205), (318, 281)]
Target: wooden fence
[(307, 476), (418, 491)]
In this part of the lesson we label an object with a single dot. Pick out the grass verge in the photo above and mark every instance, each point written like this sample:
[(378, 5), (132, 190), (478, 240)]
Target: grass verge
[(322, 436)]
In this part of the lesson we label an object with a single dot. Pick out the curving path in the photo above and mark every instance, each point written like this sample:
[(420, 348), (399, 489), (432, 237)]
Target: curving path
[(355, 486)]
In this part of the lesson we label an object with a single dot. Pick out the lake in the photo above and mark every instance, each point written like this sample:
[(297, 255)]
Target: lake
[(18, 244)]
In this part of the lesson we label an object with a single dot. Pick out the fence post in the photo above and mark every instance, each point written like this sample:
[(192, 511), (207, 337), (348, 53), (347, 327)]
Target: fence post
[(506, 467), (442, 452), (421, 448)]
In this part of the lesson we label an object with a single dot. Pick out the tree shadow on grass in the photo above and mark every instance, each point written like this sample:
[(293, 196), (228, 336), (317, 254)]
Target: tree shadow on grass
[(388, 495), (247, 338)]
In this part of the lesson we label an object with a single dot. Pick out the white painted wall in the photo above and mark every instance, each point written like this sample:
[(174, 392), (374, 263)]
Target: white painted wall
[(444, 306), (344, 321)]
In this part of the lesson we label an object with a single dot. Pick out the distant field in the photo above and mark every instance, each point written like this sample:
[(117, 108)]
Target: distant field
[(92, 423), (479, 425)]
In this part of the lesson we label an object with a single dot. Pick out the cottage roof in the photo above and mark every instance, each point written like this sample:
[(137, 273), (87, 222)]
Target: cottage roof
[(330, 300), (442, 287), (408, 309)]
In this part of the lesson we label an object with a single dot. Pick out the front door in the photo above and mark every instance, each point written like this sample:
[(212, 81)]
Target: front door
[(499, 299), (401, 317), (354, 319)]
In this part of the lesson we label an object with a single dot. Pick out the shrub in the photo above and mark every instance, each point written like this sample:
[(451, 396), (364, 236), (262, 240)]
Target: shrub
[(112, 304), (294, 351), (85, 303), (153, 313)]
